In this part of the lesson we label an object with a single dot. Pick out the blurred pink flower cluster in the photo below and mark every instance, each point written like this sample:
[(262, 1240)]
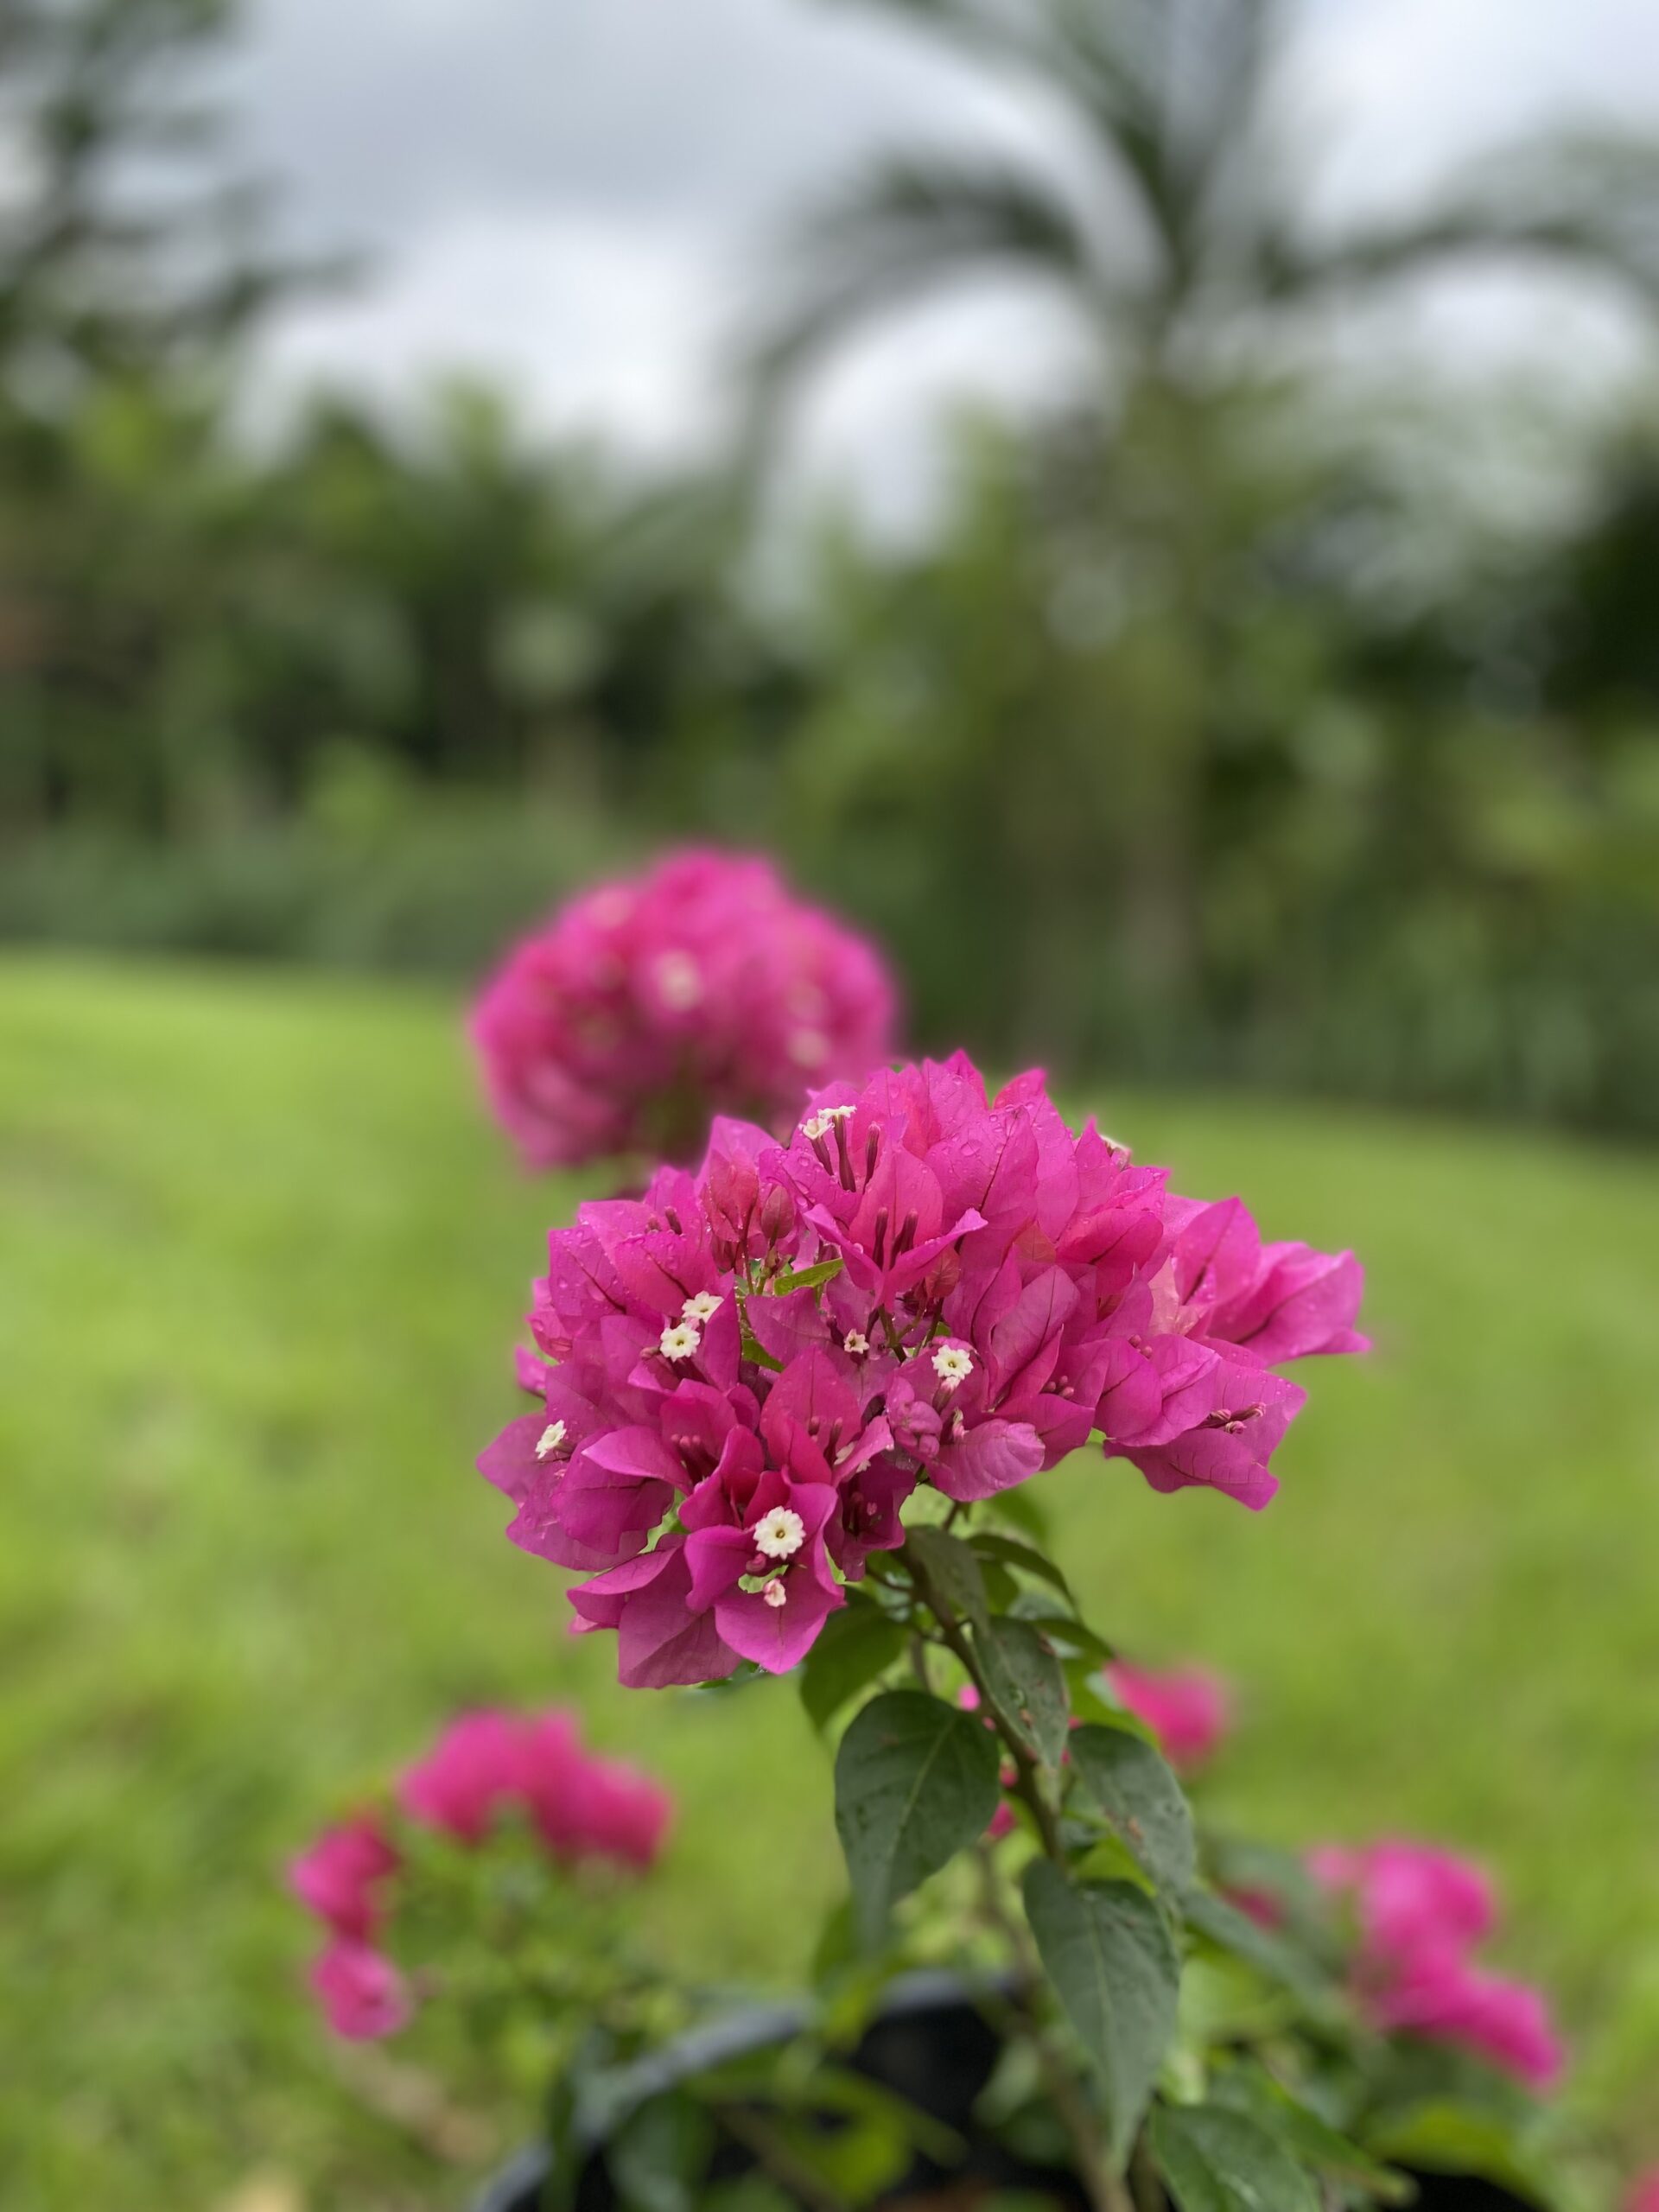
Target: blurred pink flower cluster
[(1420, 1913), (644, 1009), (757, 1363), (1188, 1709), (1645, 2193), (579, 1806)]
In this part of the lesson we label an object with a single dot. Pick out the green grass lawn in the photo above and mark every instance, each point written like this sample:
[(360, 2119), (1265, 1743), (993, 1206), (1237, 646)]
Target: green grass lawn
[(261, 1260)]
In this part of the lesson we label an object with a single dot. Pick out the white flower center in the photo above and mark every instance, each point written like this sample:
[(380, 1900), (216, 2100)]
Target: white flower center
[(549, 1440), (855, 1341), (702, 1307), (809, 1048), (952, 1365), (780, 1534), (680, 1340), (775, 1595), (679, 979), (821, 1123)]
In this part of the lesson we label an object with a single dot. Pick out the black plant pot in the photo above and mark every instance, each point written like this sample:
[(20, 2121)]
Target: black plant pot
[(930, 2046)]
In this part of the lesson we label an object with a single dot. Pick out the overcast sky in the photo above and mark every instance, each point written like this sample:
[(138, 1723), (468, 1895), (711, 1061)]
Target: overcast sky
[(580, 195)]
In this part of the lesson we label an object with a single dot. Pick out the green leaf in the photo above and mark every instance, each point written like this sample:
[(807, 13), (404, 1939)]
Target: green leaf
[(950, 1568), (1450, 2138), (1028, 1684), (1249, 2089), (1061, 1629), (1026, 1557), (1132, 1785), (659, 2157), (1106, 1949), (1217, 2161), (854, 1646), (1223, 1924), (822, 1271), (915, 1783)]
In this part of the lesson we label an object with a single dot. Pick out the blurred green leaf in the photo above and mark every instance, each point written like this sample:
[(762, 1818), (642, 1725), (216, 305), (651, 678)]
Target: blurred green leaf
[(1216, 2160), (856, 1644)]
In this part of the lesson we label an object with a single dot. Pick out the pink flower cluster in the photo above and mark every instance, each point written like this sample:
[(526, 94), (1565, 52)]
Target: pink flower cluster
[(579, 1806), (1420, 1912), (1187, 1708), (1645, 2193), (757, 1363), (644, 1009)]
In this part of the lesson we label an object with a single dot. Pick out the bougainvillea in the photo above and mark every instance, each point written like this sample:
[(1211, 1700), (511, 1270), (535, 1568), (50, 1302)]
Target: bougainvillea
[(1645, 2193), (754, 1366), (644, 1009), (485, 1767), (1419, 1913), (1187, 1708)]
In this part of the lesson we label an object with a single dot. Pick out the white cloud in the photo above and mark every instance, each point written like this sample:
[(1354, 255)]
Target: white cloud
[(580, 195)]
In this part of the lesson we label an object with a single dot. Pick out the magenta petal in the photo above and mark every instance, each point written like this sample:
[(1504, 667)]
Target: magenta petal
[(777, 1637), (510, 1462), (717, 1558), (789, 1326), (993, 1457), (639, 1454)]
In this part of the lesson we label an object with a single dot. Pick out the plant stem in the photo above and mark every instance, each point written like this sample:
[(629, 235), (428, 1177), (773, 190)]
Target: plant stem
[(1146, 2187), (791, 2173), (1107, 2192), (1027, 1786)]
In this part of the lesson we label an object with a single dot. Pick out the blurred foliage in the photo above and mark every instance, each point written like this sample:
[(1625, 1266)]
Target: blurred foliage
[(1165, 749), (264, 1258)]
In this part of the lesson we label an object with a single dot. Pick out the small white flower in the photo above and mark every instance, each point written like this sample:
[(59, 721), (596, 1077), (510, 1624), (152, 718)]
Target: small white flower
[(775, 1595), (679, 1340), (549, 1440), (702, 1307), (855, 1341), (679, 979), (780, 1534), (952, 1365), (808, 1048), (821, 1123)]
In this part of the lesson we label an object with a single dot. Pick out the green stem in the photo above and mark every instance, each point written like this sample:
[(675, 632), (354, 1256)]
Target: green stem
[(1107, 2192), (792, 2174)]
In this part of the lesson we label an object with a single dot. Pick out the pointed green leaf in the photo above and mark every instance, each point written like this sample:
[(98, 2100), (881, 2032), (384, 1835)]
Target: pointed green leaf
[(1026, 1557), (822, 1271), (1222, 1924), (1106, 1949), (951, 1570), (1132, 1785), (1026, 1678), (854, 1646), (1248, 2088), (659, 2156), (1217, 2161), (915, 1783), (1077, 1635)]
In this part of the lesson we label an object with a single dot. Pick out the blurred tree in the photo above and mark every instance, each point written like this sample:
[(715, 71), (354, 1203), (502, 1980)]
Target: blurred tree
[(127, 239), (1166, 216)]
